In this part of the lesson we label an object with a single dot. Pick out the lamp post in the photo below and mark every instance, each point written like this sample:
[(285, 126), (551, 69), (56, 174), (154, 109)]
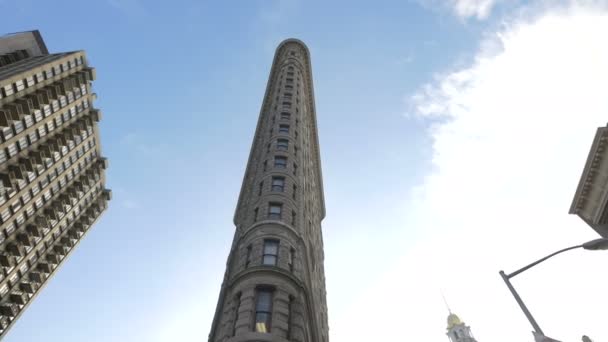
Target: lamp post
[(598, 244)]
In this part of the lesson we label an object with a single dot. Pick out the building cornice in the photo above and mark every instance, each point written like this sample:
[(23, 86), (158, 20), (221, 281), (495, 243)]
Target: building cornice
[(588, 177)]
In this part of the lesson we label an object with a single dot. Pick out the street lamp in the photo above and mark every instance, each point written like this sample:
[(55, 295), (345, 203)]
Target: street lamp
[(593, 245)]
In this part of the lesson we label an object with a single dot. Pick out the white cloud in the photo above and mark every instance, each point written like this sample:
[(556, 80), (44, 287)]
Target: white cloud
[(465, 9), (510, 136), (469, 8)]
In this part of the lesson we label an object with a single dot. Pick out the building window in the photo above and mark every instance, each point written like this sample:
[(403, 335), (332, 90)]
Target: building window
[(280, 162), (282, 144), (271, 252), (288, 96), (295, 169), (286, 104), (261, 188), (289, 80), (293, 218), (265, 164), (288, 87), (290, 68), (292, 258), (237, 306), (274, 211), (263, 310), (248, 256), (294, 192), (284, 129), (255, 215), (278, 184), (285, 116)]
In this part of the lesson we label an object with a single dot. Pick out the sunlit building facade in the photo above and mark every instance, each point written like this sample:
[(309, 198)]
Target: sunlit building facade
[(274, 284), (51, 169)]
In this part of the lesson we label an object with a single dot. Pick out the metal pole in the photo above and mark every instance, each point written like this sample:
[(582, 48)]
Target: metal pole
[(521, 303)]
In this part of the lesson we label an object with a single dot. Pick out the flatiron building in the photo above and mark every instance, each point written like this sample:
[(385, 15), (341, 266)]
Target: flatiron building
[(51, 168), (274, 285)]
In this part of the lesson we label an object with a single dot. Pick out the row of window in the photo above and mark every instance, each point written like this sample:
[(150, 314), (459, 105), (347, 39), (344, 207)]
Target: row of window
[(51, 221), (15, 87), (27, 120), (40, 202), (22, 143), (28, 244), (10, 184), (58, 245)]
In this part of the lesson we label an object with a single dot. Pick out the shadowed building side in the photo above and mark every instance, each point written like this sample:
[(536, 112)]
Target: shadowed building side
[(274, 284)]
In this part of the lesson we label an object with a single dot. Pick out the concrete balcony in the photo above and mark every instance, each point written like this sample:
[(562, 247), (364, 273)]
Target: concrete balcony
[(33, 230), (15, 249), (52, 258), (18, 298), (26, 240), (73, 234), (67, 242), (7, 260), (60, 250), (8, 309), (36, 277), (28, 287), (45, 267)]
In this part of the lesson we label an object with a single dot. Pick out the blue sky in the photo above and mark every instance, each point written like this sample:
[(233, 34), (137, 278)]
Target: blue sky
[(429, 115)]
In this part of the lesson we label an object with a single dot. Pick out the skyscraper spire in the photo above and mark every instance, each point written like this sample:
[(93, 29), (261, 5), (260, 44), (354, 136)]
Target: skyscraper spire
[(457, 330)]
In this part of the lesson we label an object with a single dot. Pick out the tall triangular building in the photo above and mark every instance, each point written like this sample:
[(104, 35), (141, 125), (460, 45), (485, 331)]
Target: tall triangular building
[(274, 285)]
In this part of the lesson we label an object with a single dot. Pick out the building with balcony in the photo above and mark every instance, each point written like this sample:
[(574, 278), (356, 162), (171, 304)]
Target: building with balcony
[(274, 285), (52, 183)]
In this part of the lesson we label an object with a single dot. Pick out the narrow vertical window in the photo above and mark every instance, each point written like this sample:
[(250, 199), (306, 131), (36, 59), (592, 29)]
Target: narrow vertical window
[(274, 211), (255, 215), (261, 188), (263, 310), (237, 305), (294, 192), (248, 256), (265, 164), (292, 259), (295, 169), (271, 252)]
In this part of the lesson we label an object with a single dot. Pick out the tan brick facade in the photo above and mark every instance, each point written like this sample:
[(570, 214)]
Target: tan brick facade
[(274, 285), (52, 178)]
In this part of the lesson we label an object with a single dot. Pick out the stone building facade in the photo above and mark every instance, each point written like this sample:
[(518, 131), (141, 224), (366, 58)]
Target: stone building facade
[(52, 178), (274, 284)]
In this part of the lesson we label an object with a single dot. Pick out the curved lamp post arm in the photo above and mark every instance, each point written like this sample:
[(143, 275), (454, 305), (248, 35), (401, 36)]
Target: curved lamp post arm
[(541, 260)]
